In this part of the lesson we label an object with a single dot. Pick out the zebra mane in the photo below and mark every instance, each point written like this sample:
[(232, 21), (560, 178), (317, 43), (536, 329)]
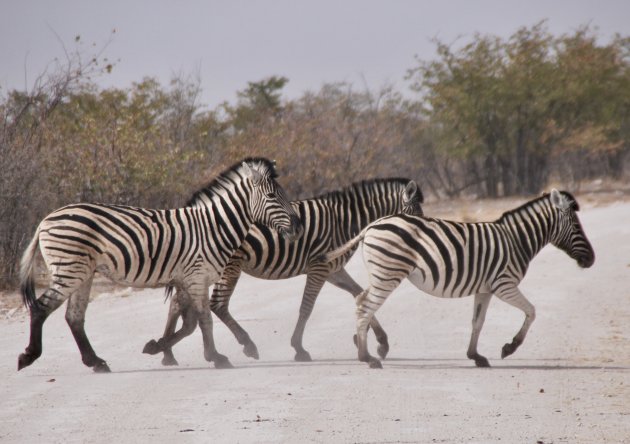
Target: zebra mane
[(269, 169), (545, 196), (363, 184)]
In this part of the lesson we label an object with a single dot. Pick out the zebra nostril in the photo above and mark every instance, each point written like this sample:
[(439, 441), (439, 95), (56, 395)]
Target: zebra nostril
[(586, 261)]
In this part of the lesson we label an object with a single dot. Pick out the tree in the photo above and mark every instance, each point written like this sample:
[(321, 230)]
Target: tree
[(504, 106), (24, 122), (256, 103)]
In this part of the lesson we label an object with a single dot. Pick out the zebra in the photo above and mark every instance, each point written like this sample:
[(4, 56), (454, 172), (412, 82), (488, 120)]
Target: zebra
[(329, 221), (186, 247), (451, 259)]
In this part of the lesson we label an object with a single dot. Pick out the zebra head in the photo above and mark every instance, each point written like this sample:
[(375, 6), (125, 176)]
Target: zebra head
[(412, 199), (568, 234), (269, 204)]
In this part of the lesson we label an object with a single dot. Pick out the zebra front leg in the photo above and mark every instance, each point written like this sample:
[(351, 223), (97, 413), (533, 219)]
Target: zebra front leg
[(220, 302), (514, 297), (482, 301), (314, 281), (342, 279), (201, 305), (75, 317), (46, 304)]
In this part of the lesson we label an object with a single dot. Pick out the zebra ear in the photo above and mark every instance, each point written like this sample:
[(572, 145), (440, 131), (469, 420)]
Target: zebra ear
[(559, 201), (410, 191), (253, 174)]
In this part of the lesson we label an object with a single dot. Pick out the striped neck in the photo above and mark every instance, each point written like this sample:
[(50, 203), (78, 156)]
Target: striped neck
[(365, 202), (224, 198), (531, 227)]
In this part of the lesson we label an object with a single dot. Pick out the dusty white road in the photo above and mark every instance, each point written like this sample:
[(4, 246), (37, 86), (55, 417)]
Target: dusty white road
[(569, 382)]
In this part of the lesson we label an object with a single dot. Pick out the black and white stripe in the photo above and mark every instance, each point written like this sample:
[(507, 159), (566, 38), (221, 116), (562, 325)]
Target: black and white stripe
[(186, 248), (451, 259), (329, 221)]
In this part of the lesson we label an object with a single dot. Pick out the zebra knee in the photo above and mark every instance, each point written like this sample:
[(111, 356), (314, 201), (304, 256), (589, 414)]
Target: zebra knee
[(218, 306), (531, 314), (74, 318), (189, 323)]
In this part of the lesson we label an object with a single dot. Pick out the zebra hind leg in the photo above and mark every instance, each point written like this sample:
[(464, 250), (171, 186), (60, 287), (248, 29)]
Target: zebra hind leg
[(170, 338), (176, 309), (46, 304), (365, 312), (342, 279), (482, 301), (314, 282), (75, 317)]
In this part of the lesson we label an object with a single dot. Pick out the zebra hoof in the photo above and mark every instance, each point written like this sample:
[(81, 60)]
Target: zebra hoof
[(222, 362), (152, 348), (303, 356), (382, 350), (169, 360), (25, 359), (375, 363), (101, 367), (482, 362), (508, 349), (251, 351)]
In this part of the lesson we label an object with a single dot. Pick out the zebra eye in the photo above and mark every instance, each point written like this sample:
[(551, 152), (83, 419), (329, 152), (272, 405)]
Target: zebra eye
[(270, 195)]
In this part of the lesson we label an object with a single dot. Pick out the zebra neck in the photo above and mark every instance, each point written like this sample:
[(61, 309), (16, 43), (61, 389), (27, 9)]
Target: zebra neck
[(226, 202), (529, 227), (364, 206)]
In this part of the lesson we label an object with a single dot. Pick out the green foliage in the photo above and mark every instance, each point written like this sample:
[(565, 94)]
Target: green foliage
[(506, 105), (259, 102)]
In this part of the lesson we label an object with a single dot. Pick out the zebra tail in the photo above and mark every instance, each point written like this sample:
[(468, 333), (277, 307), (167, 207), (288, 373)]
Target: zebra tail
[(334, 254), (27, 266)]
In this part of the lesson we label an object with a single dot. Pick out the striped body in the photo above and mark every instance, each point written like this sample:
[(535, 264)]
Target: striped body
[(451, 259), (329, 220), (185, 247), (134, 246)]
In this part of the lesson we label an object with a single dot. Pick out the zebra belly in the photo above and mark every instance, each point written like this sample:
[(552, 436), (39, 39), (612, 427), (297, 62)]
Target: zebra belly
[(418, 277)]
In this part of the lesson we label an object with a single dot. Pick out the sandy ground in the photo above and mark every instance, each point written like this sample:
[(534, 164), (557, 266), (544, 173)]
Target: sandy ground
[(569, 382)]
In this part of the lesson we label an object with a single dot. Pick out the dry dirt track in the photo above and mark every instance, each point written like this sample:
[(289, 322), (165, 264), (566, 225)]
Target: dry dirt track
[(569, 382)]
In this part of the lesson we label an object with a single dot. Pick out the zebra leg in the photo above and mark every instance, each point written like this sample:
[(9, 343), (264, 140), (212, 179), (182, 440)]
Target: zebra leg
[(201, 307), (220, 302), (314, 282), (46, 304), (164, 344), (174, 312), (170, 337), (514, 297), (342, 279), (365, 311), (75, 317), (482, 301)]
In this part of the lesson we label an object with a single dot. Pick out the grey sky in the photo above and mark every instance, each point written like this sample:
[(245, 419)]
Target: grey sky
[(368, 43)]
